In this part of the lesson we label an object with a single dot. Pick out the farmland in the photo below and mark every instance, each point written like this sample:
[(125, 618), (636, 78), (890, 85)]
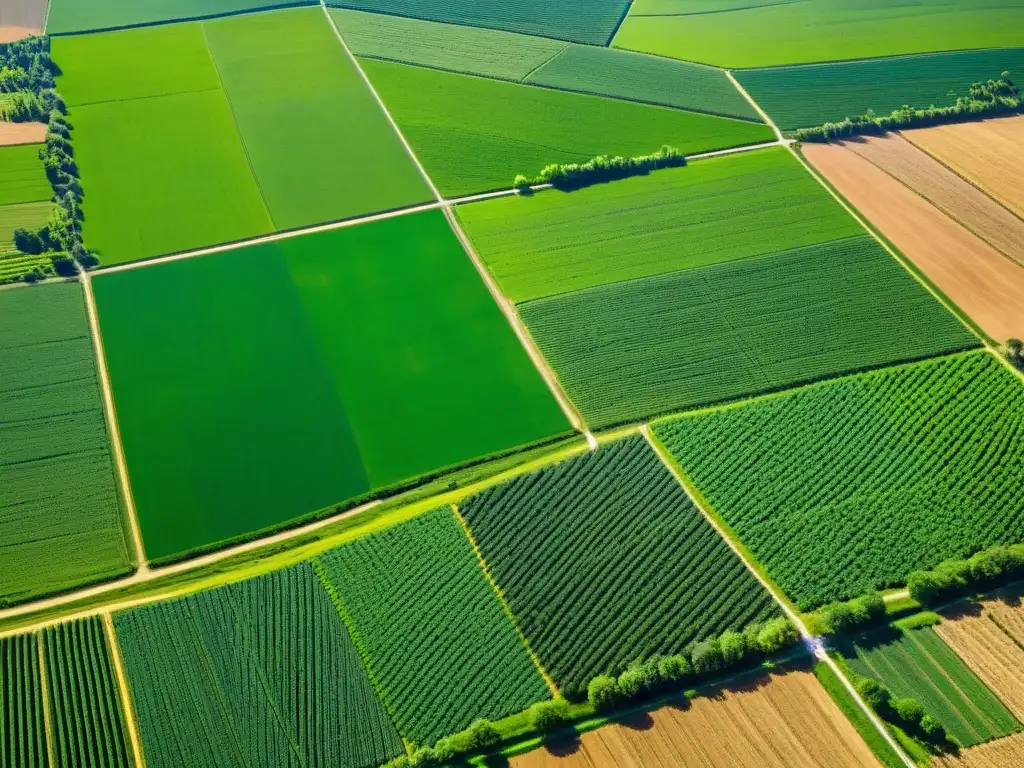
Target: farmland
[(22, 179), (28, 215), (785, 720), (19, 18), (211, 685), (591, 23), (474, 134), (432, 632), (765, 33), (22, 734), (982, 282), (634, 349), (995, 754), (868, 477), (58, 497), (808, 95), (918, 664), (604, 560), (16, 134), (322, 318), (672, 220), (69, 16), (87, 722)]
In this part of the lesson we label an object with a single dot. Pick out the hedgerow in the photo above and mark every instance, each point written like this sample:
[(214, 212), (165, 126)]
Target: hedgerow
[(567, 176), (951, 577)]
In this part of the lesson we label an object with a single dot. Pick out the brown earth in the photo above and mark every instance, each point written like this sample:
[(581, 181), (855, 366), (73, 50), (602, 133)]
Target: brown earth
[(980, 280), (21, 18), (988, 153), (945, 190), (1003, 753), (8, 34), (786, 720), (22, 133)]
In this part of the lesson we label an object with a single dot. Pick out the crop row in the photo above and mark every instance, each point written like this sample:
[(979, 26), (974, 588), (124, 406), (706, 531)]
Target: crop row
[(22, 730)]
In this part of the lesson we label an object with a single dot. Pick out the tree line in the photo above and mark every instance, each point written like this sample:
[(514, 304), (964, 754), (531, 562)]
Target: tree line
[(568, 176)]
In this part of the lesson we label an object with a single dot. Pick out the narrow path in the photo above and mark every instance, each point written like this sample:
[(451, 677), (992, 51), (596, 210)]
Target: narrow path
[(44, 689), (142, 566), (757, 107), (137, 757), (813, 643)]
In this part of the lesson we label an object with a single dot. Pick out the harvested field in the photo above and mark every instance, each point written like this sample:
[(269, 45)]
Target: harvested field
[(987, 153), (996, 754), (21, 18), (785, 720), (13, 134), (987, 286)]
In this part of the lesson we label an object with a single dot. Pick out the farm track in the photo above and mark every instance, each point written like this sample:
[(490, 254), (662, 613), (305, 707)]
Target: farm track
[(127, 707), (44, 692)]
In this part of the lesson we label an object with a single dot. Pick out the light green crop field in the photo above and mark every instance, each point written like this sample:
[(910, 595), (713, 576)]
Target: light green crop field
[(764, 33), (320, 146), (60, 517), (474, 134), (645, 347), (22, 179), (28, 215), (68, 16), (306, 373), (710, 211)]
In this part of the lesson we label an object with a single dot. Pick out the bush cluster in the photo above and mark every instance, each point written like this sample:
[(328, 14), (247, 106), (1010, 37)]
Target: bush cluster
[(27, 72), (568, 176), (480, 736), (1015, 353), (703, 659), (906, 712), (847, 616), (954, 577), (983, 98)]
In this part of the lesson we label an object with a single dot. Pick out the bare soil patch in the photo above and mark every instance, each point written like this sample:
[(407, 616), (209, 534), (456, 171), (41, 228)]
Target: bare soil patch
[(1001, 753), (22, 133), (21, 18), (978, 278), (988, 153), (785, 720)]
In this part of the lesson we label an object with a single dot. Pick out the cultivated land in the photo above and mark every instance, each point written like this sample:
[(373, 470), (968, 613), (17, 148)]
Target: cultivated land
[(986, 153), (369, 342), (812, 94), (22, 730), (22, 179), (764, 33), (995, 754), (474, 134), (27, 215), (593, 22), (430, 628), (58, 496), (604, 560), (918, 664), (291, 86), (14, 134), (69, 16), (785, 720), (984, 283), (259, 673), (644, 347), (21, 18), (868, 477), (711, 211)]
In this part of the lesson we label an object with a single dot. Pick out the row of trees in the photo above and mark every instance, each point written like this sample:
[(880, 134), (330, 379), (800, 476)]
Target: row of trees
[(983, 98), (480, 736), (600, 169), (848, 615), (954, 577), (906, 712)]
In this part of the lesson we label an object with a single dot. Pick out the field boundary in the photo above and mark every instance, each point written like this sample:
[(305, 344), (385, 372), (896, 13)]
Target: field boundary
[(44, 694), (127, 705), (757, 107)]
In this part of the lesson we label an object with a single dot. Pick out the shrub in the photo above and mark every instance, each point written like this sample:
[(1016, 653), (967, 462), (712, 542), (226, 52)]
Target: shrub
[(869, 607), (28, 242), (521, 184), (62, 265), (1015, 353), (603, 693), (955, 576), (838, 617), (733, 646), (706, 657), (933, 729), (909, 710), (547, 715), (674, 669), (875, 694), (631, 682), (481, 735), (603, 168), (777, 634)]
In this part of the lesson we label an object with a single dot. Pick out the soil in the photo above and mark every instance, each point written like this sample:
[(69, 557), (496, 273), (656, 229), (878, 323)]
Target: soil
[(21, 18), (996, 754), (12, 134)]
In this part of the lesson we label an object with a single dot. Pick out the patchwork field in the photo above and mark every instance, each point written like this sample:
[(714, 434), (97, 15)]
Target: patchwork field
[(808, 95), (28, 215), (15, 134), (918, 664), (431, 629), (604, 560), (69, 16), (785, 720), (635, 349), (474, 134), (869, 477), (59, 501), (22, 730), (258, 673), (983, 282), (593, 22), (764, 33), (21, 18), (22, 179), (704, 213), (87, 723), (986, 153), (996, 754), (370, 342)]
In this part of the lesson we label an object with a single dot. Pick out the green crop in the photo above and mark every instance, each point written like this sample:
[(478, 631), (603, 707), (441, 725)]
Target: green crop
[(22, 179), (72, 16), (22, 729)]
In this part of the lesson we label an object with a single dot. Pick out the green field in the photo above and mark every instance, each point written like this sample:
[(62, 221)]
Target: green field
[(306, 373), (474, 134), (711, 211), (22, 729), (261, 673), (808, 95), (604, 560), (918, 664), (592, 22), (22, 179), (60, 516), (87, 723), (320, 146), (631, 350), (77, 16), (765, 33), (867, 478), (28, 215), (430, 627)]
